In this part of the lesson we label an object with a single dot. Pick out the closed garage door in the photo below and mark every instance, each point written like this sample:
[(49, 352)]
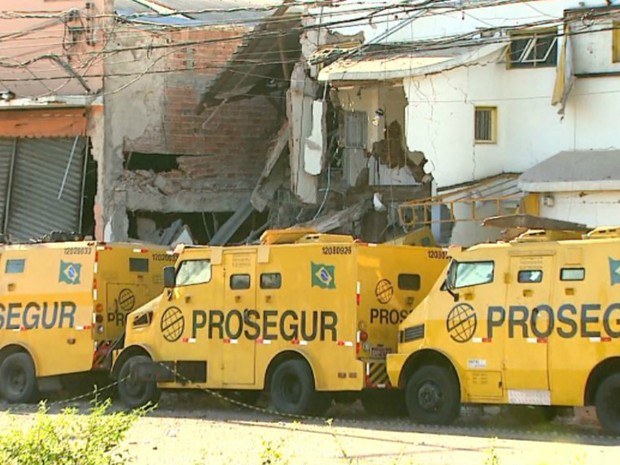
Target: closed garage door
[(46, 189)]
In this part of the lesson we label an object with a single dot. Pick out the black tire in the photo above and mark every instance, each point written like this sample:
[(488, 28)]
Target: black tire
[(432, 396), (607, 404), (133, 392), (384, 402), (18, 381), (292, 390)]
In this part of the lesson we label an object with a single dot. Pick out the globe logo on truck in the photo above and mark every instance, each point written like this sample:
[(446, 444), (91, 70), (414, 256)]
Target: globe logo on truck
[(172, 324), (384, 291), (461, 323)]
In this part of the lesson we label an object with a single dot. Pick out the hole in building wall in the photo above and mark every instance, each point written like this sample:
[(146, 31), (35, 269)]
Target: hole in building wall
[(156, 227), (155, 162), (90, 192)]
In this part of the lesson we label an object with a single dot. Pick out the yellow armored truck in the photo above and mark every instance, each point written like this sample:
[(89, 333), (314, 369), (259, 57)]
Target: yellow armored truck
[(63, 305), (535, 321), (301, 315)]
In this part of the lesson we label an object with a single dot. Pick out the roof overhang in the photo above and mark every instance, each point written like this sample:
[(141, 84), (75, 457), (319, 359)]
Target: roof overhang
[(587, 170), (390, 66), (58, 101)]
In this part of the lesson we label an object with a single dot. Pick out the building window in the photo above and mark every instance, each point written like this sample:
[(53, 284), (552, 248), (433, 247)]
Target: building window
[(355, 129), (534, 49), (485, 131), (615, 42)]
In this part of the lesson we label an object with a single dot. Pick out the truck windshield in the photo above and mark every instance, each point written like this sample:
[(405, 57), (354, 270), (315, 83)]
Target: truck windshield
[(465, 274), (193, 272)]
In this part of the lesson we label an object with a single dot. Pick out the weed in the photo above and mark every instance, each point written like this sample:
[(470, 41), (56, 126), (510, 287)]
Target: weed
[(69, 438), (271, 453)]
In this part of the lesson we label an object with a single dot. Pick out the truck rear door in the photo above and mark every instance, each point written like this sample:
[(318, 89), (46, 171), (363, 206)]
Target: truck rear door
[(238, 352), (528, 317)]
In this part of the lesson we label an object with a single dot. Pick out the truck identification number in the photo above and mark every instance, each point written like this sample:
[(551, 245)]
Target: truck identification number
[(336, 250)]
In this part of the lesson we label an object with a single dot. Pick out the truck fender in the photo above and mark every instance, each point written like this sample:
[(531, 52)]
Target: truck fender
[(128, 352)]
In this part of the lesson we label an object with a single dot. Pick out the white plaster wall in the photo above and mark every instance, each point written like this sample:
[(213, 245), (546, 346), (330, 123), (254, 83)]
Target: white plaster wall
[(440, 119), (442, 22), (589, 208), (592, 51)]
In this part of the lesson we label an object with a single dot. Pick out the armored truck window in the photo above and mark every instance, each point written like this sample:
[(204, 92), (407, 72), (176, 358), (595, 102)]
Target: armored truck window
[(193, 272), (140, 265), (240, 281), (270, 281), (409, 282), (572, 274), (15, 266), (530, 276), (465, 274)]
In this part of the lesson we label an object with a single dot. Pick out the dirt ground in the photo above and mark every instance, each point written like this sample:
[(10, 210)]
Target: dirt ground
[(194, 428)]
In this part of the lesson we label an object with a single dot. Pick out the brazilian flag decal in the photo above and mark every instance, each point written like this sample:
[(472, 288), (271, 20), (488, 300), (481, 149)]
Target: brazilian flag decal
[(323, 276), (69, 273), (614, 271)]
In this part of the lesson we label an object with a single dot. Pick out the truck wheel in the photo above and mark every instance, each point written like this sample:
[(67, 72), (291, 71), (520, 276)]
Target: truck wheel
[(432, 396), (18, 382), (607, 405), (292, 389), (134, 392)]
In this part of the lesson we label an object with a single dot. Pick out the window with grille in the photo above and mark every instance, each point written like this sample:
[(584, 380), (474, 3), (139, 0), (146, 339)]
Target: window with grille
[(534, 50), (355, 129), (485, 125)]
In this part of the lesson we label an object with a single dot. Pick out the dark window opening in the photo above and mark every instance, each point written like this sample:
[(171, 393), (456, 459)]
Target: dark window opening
[(534, 50), (240, 281), (140, 265), (90, 192), (270, 281), (162, 228), (409, 282), (155, 162)]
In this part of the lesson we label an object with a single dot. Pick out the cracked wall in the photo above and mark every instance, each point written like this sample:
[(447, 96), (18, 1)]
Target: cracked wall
[(219, 162)]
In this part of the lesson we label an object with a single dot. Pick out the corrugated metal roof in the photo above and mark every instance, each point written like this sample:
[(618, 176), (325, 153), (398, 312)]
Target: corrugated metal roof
[(245, 12)]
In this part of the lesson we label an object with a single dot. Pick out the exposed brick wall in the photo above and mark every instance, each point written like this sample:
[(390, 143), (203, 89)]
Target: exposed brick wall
[(232, 145)]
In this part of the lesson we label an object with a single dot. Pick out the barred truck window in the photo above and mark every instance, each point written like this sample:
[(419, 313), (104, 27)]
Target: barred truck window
[(465, 274), (193, 272)]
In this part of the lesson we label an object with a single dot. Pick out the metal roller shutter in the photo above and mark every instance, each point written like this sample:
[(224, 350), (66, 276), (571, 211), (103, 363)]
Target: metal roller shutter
[(47, 187), (6, 150)]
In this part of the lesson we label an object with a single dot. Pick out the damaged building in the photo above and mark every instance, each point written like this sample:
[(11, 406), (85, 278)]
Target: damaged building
[(193, 106), (479, 110)]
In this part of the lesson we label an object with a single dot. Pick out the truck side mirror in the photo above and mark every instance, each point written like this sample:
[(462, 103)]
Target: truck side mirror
[(169, 276), (445, 287)]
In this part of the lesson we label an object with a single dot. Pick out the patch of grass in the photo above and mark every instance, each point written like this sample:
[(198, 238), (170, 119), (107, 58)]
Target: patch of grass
[(70, 438)]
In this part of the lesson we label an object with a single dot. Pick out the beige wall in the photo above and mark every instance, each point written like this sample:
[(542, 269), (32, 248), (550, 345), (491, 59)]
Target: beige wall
[(42, 56)]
